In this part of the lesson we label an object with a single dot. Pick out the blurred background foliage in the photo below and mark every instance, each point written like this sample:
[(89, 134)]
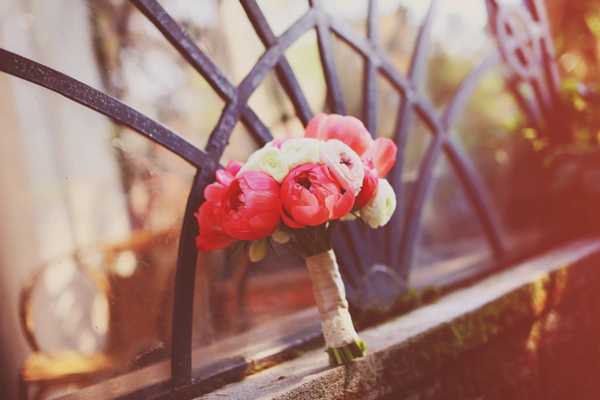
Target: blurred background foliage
[(573, 165)]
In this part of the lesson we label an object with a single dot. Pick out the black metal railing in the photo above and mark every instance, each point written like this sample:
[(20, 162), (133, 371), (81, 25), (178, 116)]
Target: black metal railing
[(528, 53)]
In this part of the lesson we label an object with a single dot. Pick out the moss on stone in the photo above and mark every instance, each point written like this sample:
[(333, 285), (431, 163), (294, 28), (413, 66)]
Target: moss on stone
[(430, 294)]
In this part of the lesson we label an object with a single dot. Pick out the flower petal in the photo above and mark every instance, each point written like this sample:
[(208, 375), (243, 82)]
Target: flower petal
[(289, 221), (351, 131), (383, 155), (345, 204), (214, 192), (313, 126), (310, 215), (233, 167), (277, 142)]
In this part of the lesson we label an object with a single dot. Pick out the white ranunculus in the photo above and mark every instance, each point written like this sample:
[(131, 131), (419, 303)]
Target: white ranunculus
[(268, 160), (301, 151), (379, 210), (344, 163)]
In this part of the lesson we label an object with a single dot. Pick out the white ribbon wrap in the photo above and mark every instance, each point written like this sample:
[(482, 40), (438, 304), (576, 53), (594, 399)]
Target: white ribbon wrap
[(330, 296)]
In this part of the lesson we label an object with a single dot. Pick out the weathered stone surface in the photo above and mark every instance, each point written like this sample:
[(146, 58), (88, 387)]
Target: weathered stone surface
[(532, 332)]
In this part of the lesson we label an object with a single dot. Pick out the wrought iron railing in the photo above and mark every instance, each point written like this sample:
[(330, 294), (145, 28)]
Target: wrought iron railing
[(524, 45)]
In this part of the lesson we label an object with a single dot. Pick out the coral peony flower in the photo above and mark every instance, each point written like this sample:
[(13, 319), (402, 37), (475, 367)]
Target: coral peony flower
[(311, 195), (225, 176), (348, 129), (381, 207), (344, 163), (269, 160), (382, 154), (369, 185), (300, 151), (212, 236), (251, 206)]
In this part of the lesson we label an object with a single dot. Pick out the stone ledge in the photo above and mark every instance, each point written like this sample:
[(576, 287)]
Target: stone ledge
[(410, 356)]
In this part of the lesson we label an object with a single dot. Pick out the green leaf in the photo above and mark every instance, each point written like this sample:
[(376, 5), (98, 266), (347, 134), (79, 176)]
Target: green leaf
[(258, 249)]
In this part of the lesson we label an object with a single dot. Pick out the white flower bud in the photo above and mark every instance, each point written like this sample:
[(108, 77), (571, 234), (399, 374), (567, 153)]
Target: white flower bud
[(301, 151), (344, 164), (379, 210), (268, 160)]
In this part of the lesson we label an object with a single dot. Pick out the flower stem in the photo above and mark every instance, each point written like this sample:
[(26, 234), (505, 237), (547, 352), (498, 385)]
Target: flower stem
[(346, 354)]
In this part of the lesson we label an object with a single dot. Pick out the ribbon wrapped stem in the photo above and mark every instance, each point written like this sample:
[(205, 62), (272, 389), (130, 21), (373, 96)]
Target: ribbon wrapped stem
[(343, 343)]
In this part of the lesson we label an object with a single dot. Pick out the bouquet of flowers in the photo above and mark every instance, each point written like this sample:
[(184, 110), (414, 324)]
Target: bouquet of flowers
[(294, 191)]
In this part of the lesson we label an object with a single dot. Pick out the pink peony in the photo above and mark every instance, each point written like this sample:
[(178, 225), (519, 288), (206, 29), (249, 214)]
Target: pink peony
[(348, 129), (382, 154), (251, 207), (311, 195), (211, 234), (232, 168)]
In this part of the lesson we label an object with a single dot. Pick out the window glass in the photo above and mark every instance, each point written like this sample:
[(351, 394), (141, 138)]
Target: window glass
[(495, 133), (107, 207)]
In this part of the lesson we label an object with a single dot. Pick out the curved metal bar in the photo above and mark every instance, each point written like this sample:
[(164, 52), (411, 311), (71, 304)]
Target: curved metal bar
[(96, 100), (193, 54), (526, 104), (220, 135), (354, 241), (403, 124), (421, 105), (334, 92), (350, 232), (477, 194), (369, 51), (472, 185), (468, 84), (257, 129), (183, 301), (539, 13), (181, 40), (370, 77), (385, 67), (412, 103), (397, 231), (417, 63), (415, 206), (284, 71)]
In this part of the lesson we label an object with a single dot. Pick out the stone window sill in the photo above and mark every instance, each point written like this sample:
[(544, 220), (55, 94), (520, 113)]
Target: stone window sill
[(510, 318)]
